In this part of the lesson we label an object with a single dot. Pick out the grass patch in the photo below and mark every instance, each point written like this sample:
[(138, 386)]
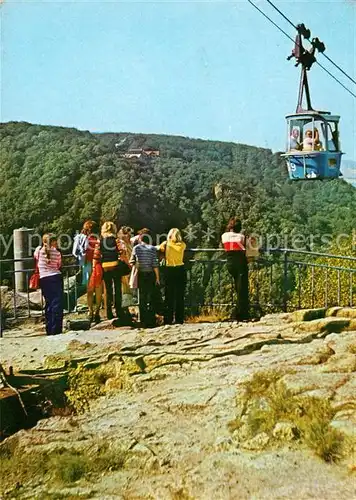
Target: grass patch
[(104, 459), (63, 467), (326, 442), (209, 315), (86, 385), (313, 420), (352, 348), (266, 401), (70, 467), (18, 468), (8, 448), (180, 494)]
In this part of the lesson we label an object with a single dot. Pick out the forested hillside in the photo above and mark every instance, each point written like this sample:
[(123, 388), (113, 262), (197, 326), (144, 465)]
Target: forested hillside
[(52, 178)]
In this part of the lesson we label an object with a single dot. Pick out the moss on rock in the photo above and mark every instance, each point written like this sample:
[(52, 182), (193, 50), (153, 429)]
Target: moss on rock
[(308, 314)]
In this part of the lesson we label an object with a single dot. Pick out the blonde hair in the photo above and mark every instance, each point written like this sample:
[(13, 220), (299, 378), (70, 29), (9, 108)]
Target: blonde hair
[(47, 240), (108, 229), (174, 235)]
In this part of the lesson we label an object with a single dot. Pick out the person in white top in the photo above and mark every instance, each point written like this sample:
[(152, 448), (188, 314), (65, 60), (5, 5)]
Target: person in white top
[(49, 261)]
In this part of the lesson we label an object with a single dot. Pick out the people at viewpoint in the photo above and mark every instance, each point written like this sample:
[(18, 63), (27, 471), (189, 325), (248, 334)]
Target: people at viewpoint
[(83, 249), (84, 246), (172, 251), (95, 286), (136, 239), (125, 247), (109, 260), (49, 261), (311, 140), (234, 243), (99, 259), (144, 258)]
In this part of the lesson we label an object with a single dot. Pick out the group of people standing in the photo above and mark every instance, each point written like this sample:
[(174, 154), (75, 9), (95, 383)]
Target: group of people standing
[(117, 264)]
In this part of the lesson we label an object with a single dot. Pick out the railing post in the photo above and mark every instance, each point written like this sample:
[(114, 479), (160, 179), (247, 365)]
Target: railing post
[(2, 315), (285, 281), (22, 251)]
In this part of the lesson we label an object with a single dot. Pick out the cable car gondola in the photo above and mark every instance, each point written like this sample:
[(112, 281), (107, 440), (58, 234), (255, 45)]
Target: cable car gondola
[(313, 146)]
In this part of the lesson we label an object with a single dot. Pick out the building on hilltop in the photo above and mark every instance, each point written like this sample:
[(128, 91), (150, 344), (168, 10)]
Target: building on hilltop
[(141, 153), (152, 152)]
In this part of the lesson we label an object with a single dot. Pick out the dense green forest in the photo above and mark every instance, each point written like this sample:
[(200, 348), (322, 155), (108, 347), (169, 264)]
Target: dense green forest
[(53, 178)]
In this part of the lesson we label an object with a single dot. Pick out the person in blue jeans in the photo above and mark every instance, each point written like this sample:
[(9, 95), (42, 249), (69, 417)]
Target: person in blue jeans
[(49, 261)]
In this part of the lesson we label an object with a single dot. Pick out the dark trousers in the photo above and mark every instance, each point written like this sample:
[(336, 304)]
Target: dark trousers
[(239, 272), (113, 279), (175, 281), (147, 286), (52, 291)]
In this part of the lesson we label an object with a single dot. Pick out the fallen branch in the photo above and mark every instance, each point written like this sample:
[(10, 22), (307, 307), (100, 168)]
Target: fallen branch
[(5, 382)]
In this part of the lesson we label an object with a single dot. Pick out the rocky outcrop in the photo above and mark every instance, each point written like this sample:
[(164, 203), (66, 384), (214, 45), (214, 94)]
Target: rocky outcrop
[(19, 301), (171, 401)]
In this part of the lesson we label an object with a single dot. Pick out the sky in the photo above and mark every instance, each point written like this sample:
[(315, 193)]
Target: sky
[(204, 69)]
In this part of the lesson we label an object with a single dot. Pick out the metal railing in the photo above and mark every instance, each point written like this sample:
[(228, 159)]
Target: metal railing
[(15, 304), (279, 280)]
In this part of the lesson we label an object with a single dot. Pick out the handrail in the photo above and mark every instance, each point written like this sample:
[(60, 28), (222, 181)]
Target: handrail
[(317, 254), (196, 250), (29, 259), (283, 251), (311, 264)]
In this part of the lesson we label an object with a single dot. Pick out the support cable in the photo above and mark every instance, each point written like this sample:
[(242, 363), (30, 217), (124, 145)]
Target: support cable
[(290, 38), (328, 58)]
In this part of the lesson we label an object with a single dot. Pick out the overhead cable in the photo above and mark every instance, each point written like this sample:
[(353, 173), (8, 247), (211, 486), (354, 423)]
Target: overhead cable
[(328, 58), (290, 38)]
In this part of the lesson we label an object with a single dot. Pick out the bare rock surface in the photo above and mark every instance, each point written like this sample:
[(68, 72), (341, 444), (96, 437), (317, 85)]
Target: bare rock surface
[(173, 419)]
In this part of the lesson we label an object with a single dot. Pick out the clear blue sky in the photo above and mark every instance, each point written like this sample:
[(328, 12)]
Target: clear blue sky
[(208, 69)]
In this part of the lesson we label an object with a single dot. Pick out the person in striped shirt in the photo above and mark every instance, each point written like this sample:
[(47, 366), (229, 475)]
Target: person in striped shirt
[(234, 243), (49, 261), (144, 256)]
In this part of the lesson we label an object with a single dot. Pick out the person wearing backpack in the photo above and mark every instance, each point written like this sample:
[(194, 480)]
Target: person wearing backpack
[(84, 245), (83, 249), (175, 276)]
